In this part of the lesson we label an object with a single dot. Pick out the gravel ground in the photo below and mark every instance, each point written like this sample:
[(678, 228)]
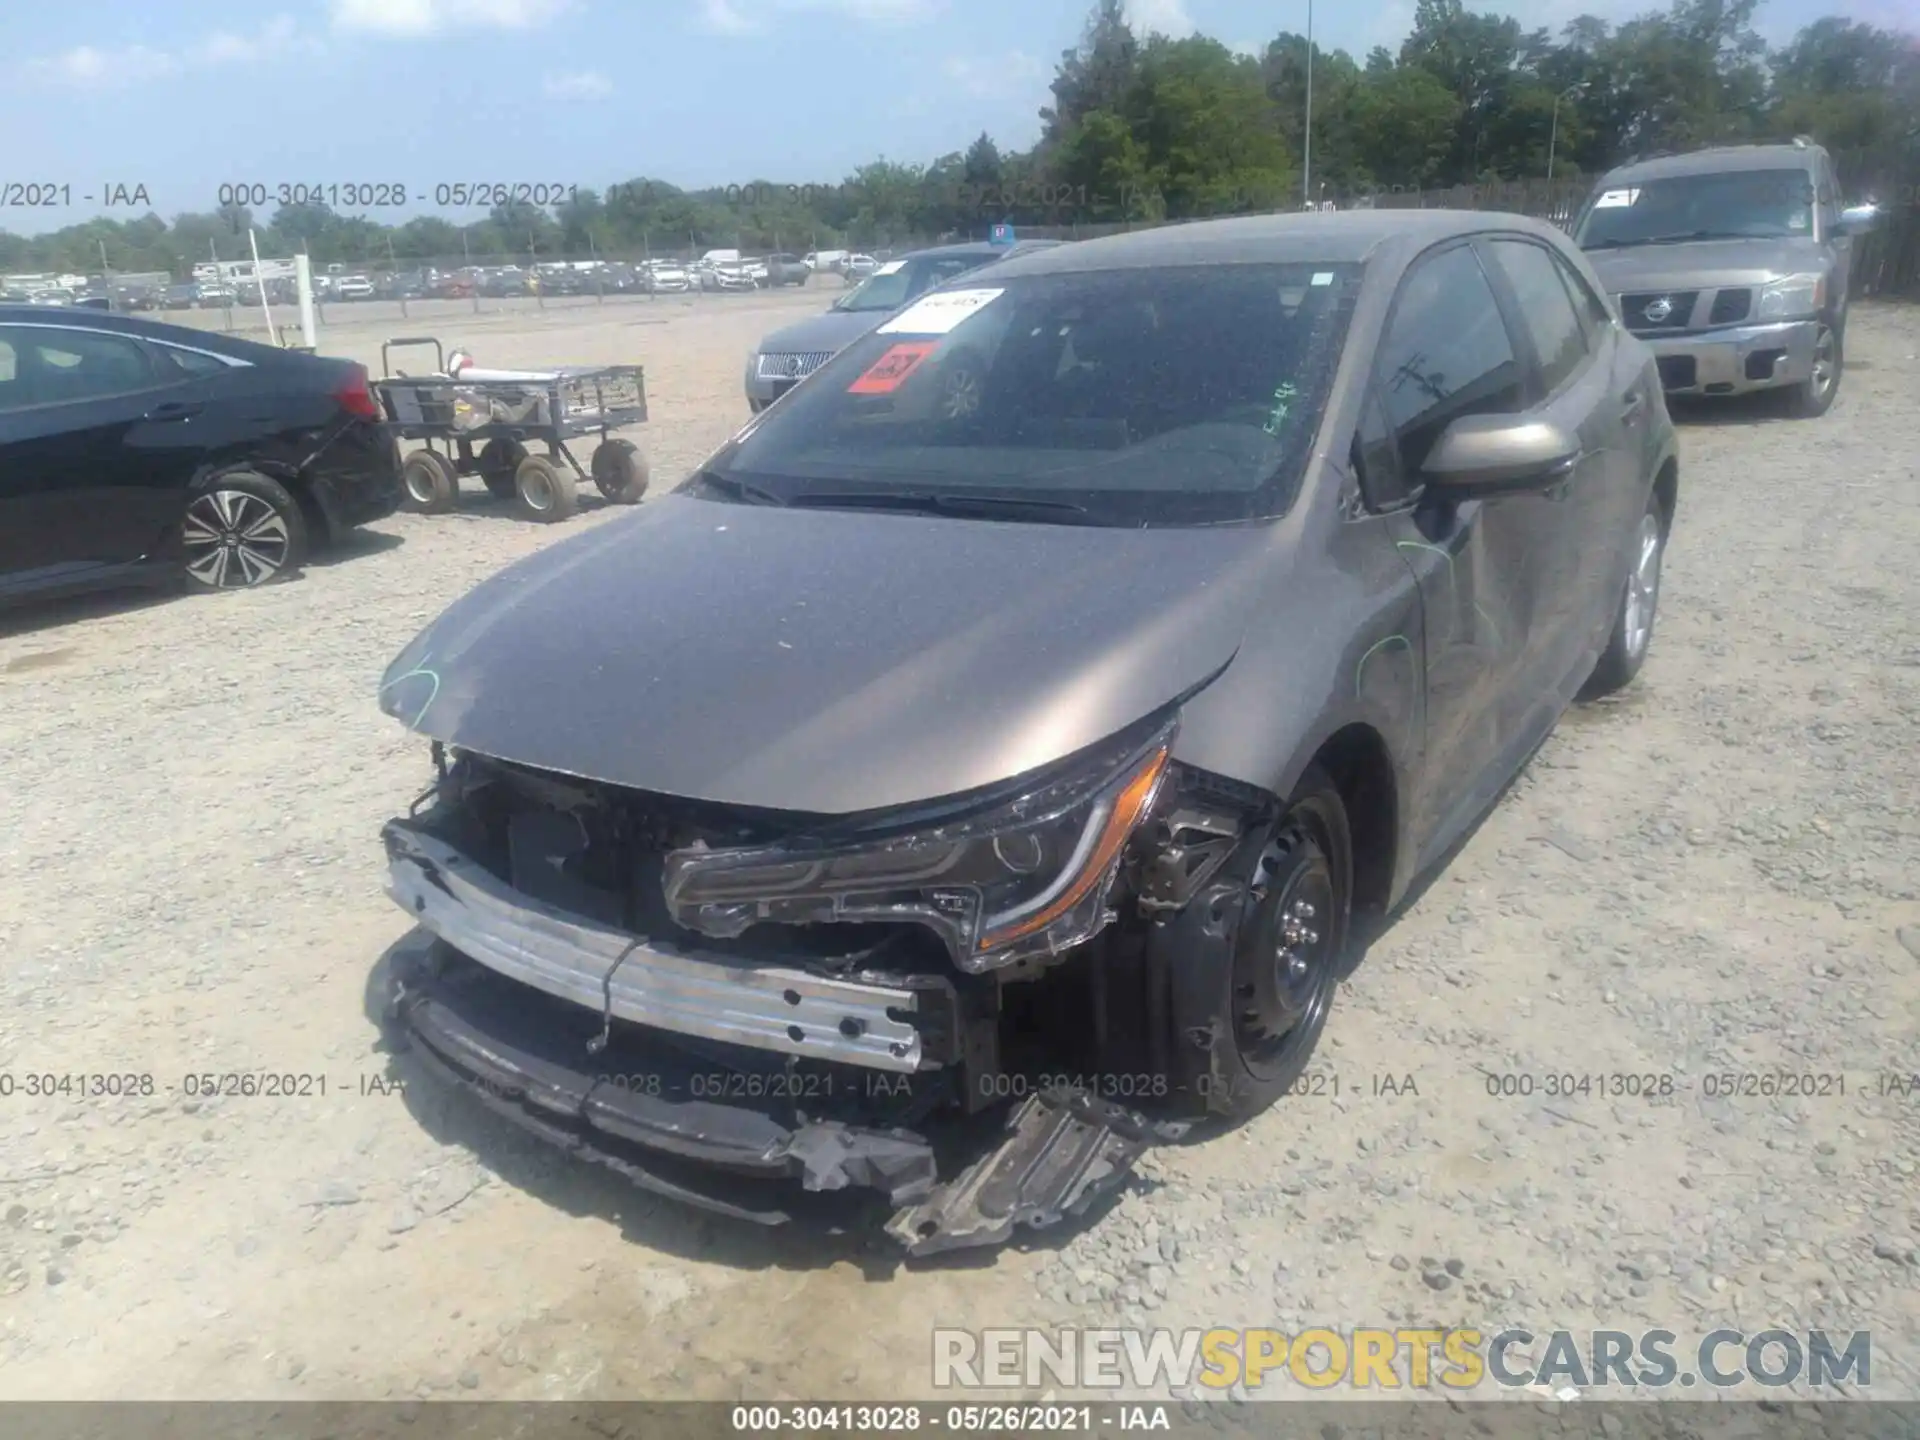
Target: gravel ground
[(1713, 874)]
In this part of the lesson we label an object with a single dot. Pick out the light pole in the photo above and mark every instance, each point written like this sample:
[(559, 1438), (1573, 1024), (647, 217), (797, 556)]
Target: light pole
[(1553, 132), (1306, 162)]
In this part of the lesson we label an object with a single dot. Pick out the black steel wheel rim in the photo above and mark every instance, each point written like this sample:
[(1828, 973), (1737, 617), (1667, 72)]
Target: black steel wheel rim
[(1286, 968)]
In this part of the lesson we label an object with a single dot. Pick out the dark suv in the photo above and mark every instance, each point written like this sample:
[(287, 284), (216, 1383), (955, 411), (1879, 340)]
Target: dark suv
[(1733, 264)]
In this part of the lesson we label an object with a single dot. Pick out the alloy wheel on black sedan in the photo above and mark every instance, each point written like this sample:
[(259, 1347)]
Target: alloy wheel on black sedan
[(242, 532)]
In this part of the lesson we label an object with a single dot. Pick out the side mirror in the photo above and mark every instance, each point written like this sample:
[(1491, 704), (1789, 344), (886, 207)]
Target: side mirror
[(1859, 219), (1483, 455)]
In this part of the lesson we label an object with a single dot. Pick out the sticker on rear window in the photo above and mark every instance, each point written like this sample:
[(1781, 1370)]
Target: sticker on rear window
[(891, 267), (1323, 277), (1614, 199), (891, 370), (940, 312)]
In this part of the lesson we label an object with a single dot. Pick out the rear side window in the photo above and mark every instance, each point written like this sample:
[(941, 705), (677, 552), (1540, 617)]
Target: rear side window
[(12, 390), (1445, 354), (191, 362), (1546, 310), (1594, 311)]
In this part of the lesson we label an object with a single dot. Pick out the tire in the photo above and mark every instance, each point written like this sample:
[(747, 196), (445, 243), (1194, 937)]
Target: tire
[(542, 491), (428, 485), (1815, 395), (499, 458), (242, 529), (619, 471), (1288, 955), (1632, 633)]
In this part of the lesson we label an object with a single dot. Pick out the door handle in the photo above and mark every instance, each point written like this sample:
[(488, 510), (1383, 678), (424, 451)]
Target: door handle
[(175, 410)]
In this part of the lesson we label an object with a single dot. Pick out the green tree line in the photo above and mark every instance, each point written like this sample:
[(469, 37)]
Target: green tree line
[(1144, 128)]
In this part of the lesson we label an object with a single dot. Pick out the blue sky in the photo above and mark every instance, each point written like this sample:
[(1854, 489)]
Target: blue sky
[(183, 96)]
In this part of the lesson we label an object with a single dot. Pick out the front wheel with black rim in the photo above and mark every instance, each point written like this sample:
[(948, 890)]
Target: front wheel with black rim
[(1632, 633), (1287, 958), (1814, 396), (242, 529), (543, 491), (428, 485)]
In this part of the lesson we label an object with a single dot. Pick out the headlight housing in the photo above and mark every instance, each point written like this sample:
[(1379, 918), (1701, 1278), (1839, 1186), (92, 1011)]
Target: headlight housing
[(1791, 297), (1020, 878)]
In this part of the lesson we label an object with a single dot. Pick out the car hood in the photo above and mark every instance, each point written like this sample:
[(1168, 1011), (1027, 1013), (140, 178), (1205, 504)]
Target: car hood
[(830, 332), (825, 661), (1704, 264)]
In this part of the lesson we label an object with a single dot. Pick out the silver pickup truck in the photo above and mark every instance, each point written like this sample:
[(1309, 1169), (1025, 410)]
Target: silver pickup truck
[(1733, 264)]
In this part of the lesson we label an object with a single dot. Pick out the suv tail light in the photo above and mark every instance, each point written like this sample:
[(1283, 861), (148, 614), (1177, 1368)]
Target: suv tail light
[(354, 396)]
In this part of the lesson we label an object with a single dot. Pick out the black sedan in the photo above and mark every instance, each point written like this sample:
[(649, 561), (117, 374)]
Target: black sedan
[(1034, 710), (134, 452)]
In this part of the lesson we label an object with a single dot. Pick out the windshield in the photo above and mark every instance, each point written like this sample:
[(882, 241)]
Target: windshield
[(1735, 205), (898, 281), (1177, 395)]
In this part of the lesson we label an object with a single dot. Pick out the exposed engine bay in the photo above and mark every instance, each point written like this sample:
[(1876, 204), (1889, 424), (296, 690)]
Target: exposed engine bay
[(982, 1011)]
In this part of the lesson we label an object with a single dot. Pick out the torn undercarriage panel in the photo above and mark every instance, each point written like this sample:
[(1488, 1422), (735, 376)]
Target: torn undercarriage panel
[(1061, 1152)]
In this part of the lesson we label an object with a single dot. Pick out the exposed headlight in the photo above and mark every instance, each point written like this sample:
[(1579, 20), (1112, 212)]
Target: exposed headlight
[(1026, 877), (1792, 297)]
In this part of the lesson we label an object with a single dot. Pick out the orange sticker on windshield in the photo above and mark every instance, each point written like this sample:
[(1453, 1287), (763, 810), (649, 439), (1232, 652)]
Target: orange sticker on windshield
[(891, 370)]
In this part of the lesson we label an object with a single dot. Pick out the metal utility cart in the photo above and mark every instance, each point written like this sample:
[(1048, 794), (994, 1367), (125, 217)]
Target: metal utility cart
[(503, 418)]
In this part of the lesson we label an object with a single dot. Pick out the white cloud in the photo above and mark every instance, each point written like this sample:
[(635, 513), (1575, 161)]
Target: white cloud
[(1014, 73), (723, 17), (224, 47), (748, 17), (92, 68), (1160, 17), (1251, 49), (430, 17), (580, 85)]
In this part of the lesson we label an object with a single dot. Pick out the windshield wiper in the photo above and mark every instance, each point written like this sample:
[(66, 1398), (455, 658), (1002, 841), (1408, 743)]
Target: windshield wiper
[(739, 489), (1015, 507), (1702, 235)]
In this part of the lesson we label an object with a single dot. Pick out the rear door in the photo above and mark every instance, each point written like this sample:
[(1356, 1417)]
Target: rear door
[(1582, 519), (97, 445)]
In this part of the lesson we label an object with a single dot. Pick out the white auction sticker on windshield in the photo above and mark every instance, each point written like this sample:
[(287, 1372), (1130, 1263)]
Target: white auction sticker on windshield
[(1614, 199), (892, 267), (940, 312)]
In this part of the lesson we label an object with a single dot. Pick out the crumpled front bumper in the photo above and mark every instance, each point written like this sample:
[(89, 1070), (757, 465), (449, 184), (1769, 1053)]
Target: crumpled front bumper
[(1735, 361), (701, 1108), (879, 1024)]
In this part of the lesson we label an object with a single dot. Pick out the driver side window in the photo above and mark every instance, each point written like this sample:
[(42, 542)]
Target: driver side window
[(1446, 353)]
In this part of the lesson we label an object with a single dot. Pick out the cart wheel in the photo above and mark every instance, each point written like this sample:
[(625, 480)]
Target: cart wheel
[(620, 471), (499, 458), (543, 490), (427, 483)]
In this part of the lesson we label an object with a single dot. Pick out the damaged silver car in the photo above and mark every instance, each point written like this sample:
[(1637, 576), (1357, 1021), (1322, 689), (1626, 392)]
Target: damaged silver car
[(941, 804)]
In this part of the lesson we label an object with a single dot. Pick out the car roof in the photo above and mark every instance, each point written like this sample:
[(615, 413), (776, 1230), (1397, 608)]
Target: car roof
[(1332, 238), (979, 247), (233, 345), (1718, 160)]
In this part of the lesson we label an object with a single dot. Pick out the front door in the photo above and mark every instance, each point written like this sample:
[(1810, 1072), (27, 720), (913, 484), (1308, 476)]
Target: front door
[(97, 444), (1485, 567)]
